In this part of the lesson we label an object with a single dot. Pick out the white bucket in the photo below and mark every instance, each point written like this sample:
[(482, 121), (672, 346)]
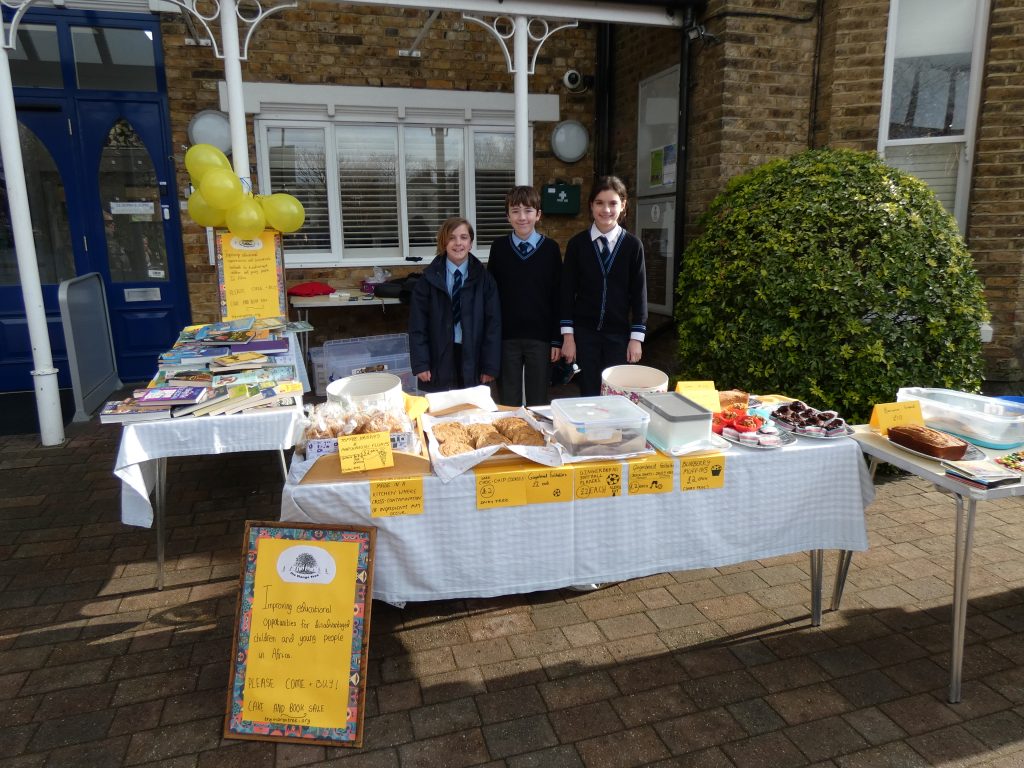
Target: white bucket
[(632, 381), (383, 390)]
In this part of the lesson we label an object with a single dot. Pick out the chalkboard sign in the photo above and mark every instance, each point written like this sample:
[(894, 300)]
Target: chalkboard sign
[(302, 630)]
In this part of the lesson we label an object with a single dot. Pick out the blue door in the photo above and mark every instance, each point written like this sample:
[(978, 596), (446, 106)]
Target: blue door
[(92, 109)]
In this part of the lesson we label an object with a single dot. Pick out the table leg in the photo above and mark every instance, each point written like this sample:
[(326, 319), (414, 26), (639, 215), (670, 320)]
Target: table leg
[(842, 568), (961, 582), (159, 513), (284, 464), (303, 338), (873, 467), (817, 560)]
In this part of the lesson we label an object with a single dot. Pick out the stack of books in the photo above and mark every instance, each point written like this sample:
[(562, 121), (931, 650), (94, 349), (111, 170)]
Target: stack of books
[(219, 368), (982, 474)]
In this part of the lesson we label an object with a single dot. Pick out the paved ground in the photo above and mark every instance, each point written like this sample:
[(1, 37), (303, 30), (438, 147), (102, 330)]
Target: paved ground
[(702, 668)]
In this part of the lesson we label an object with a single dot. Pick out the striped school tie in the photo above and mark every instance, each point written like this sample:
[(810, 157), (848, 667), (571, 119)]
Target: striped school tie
[(457, 298), (524, 250), (606, 255)]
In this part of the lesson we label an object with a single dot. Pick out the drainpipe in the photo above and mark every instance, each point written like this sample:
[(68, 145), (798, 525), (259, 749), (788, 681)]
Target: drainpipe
[(604, 92), (682, 147)]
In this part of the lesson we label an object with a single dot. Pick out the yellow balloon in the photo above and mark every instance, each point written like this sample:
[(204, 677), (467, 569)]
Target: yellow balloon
[(202, 213), (201, 158), (246, 219), (284, 212), (221, 188)]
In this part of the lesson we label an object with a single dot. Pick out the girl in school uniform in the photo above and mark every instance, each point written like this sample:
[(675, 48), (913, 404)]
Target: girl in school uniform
[(604, 290)]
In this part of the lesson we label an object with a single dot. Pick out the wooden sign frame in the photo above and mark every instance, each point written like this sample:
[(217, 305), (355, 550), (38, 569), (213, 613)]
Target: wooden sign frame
[(260, 260), (301, 558)]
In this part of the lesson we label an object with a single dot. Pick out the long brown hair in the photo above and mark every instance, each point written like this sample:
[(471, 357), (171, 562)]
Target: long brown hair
[(612, 183), (447, 228)]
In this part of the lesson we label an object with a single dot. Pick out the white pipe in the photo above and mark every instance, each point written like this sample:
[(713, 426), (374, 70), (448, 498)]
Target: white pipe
[(520, 62), (233, 84), (51, 424)]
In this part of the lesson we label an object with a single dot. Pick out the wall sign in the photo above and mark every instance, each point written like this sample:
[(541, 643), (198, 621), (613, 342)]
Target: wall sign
[(302, 630), (250, 276)]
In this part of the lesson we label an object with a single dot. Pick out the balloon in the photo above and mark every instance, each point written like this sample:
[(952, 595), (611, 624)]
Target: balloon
[(221, 188), (284, 212), (246, 219), (202, 213), (201, 158)]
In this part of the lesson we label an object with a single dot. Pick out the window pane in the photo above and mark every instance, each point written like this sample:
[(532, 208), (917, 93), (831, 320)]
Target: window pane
[(110, 59), (932, 67), (298, 166), (132, 217), (494, 159), (35, 61), (936, 164), (49, 211), (368, 179), (433, 179)]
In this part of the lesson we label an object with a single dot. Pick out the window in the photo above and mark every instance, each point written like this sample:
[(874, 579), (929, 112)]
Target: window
[(933, 65), (378, 175)]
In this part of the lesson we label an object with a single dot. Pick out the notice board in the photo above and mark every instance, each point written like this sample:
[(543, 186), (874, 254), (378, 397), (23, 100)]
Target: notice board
[(302, 629), (250, 275)]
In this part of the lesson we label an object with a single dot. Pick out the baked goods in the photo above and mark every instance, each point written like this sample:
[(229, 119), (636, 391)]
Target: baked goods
[(733, 398), (930, 442), (803, 419), (456, 437)]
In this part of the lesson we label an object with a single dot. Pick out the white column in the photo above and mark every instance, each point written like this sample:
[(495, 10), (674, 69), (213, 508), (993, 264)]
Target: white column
[(521, 67), (51, 425), (233, 83)]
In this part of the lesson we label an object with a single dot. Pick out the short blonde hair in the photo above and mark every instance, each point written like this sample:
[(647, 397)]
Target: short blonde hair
[(448, 227)]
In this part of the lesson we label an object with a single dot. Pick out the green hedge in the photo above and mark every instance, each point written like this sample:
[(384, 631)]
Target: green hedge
[(831, 277)]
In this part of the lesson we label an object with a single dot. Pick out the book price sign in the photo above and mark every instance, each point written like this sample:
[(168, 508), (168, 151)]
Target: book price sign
[(302, 629), (396, 498), (359, 453), (701, 473), (250, 274), (598, 481), (650, 476)]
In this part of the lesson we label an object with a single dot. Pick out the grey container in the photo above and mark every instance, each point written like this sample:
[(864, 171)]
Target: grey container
[(675, 420)]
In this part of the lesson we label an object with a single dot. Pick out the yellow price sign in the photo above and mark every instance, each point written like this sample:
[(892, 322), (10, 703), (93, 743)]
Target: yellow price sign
[(500, 489), (548, 485), (885, 415), (598, 481), (396, 498), (703, 396), (359, 453), (650, 476), (701, 473)]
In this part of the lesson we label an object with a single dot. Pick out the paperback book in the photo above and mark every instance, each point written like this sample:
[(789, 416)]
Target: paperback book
[(232, 394), (226, 338), (238, 361), (170, 396), (256, 375), (265, 346), (983, 473), (261, 394), (217, 395), (190, 378), (128, 410), (228, 326)]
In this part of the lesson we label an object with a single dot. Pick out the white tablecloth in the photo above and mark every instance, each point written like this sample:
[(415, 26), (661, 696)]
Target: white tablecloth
[(810, 495)]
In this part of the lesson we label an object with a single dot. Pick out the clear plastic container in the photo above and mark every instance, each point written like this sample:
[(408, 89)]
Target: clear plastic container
[(675, 420), (388, 353), (987, 421), (609, 425)]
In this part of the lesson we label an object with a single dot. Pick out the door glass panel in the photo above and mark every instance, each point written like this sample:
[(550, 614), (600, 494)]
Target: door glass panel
[(35, 60), (111, 59), (48, 209), (132, 217)]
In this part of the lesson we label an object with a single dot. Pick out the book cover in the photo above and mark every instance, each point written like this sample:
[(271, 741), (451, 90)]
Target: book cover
[(217, 395), (265, 346), (256, 375), (128, 410), (171, 395), (269, 323), (200, 354), (238, 361), (227, 326), (983, 473), (232, 394), (189, 378), (225, 338), (265, 392)]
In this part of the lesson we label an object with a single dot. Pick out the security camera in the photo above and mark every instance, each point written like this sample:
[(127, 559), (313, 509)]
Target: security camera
[(573, 80)]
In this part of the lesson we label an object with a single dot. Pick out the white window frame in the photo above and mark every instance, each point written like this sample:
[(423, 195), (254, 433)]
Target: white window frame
[(278, 105), (966, 141)]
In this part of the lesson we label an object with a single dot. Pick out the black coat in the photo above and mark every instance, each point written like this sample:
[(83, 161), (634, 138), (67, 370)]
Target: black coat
[(432, 335)]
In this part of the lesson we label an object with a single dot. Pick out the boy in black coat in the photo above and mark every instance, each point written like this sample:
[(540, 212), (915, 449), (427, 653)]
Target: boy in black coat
[(527, 268), (455, 316)]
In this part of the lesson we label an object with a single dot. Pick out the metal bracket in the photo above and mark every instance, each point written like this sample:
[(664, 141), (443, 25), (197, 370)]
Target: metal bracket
[(413, 50), (10, 31), (507, 23), (250, 20)]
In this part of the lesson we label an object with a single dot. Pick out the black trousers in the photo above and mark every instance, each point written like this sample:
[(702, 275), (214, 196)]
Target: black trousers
[(595, 351), (525, 364)]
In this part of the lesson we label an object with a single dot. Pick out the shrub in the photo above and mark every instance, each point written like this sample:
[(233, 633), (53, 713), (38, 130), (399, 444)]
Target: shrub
[(830, 277)]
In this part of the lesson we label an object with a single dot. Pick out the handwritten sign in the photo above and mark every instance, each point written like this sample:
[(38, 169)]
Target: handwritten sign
[(548, 485), (598, 481), (701, 473), (359, 453), (396, 498), (250, 274), (500, 489), (650, 476), (703, 393), (885, 415), (302, 628)]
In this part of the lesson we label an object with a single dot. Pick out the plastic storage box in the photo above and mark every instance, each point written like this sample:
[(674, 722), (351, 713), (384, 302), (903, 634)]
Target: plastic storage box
[(370, 354), (987, 421), (609, 425), (675, 420)]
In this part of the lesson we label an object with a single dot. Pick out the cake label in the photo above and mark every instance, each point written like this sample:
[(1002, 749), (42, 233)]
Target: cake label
[(360, 453), (701, 473), (885, 415), (650, 476)]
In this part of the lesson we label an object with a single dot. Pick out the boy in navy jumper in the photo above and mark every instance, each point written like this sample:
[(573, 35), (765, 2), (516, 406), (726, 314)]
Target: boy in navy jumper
[(527, 268), (604, 290)]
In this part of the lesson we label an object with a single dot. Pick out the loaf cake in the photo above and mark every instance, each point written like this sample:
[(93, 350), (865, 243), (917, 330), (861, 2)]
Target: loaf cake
[(930, 442)]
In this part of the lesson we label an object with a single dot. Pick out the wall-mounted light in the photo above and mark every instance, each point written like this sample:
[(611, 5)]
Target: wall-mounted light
[(569, 141), (211, 127)]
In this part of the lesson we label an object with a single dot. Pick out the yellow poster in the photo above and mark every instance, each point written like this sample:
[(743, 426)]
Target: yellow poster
[(500, 489), (650, 476), (251, 276), (548, 485), (396, 498), (301, 630), (360, 453), (701, 473), (598, 481)]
